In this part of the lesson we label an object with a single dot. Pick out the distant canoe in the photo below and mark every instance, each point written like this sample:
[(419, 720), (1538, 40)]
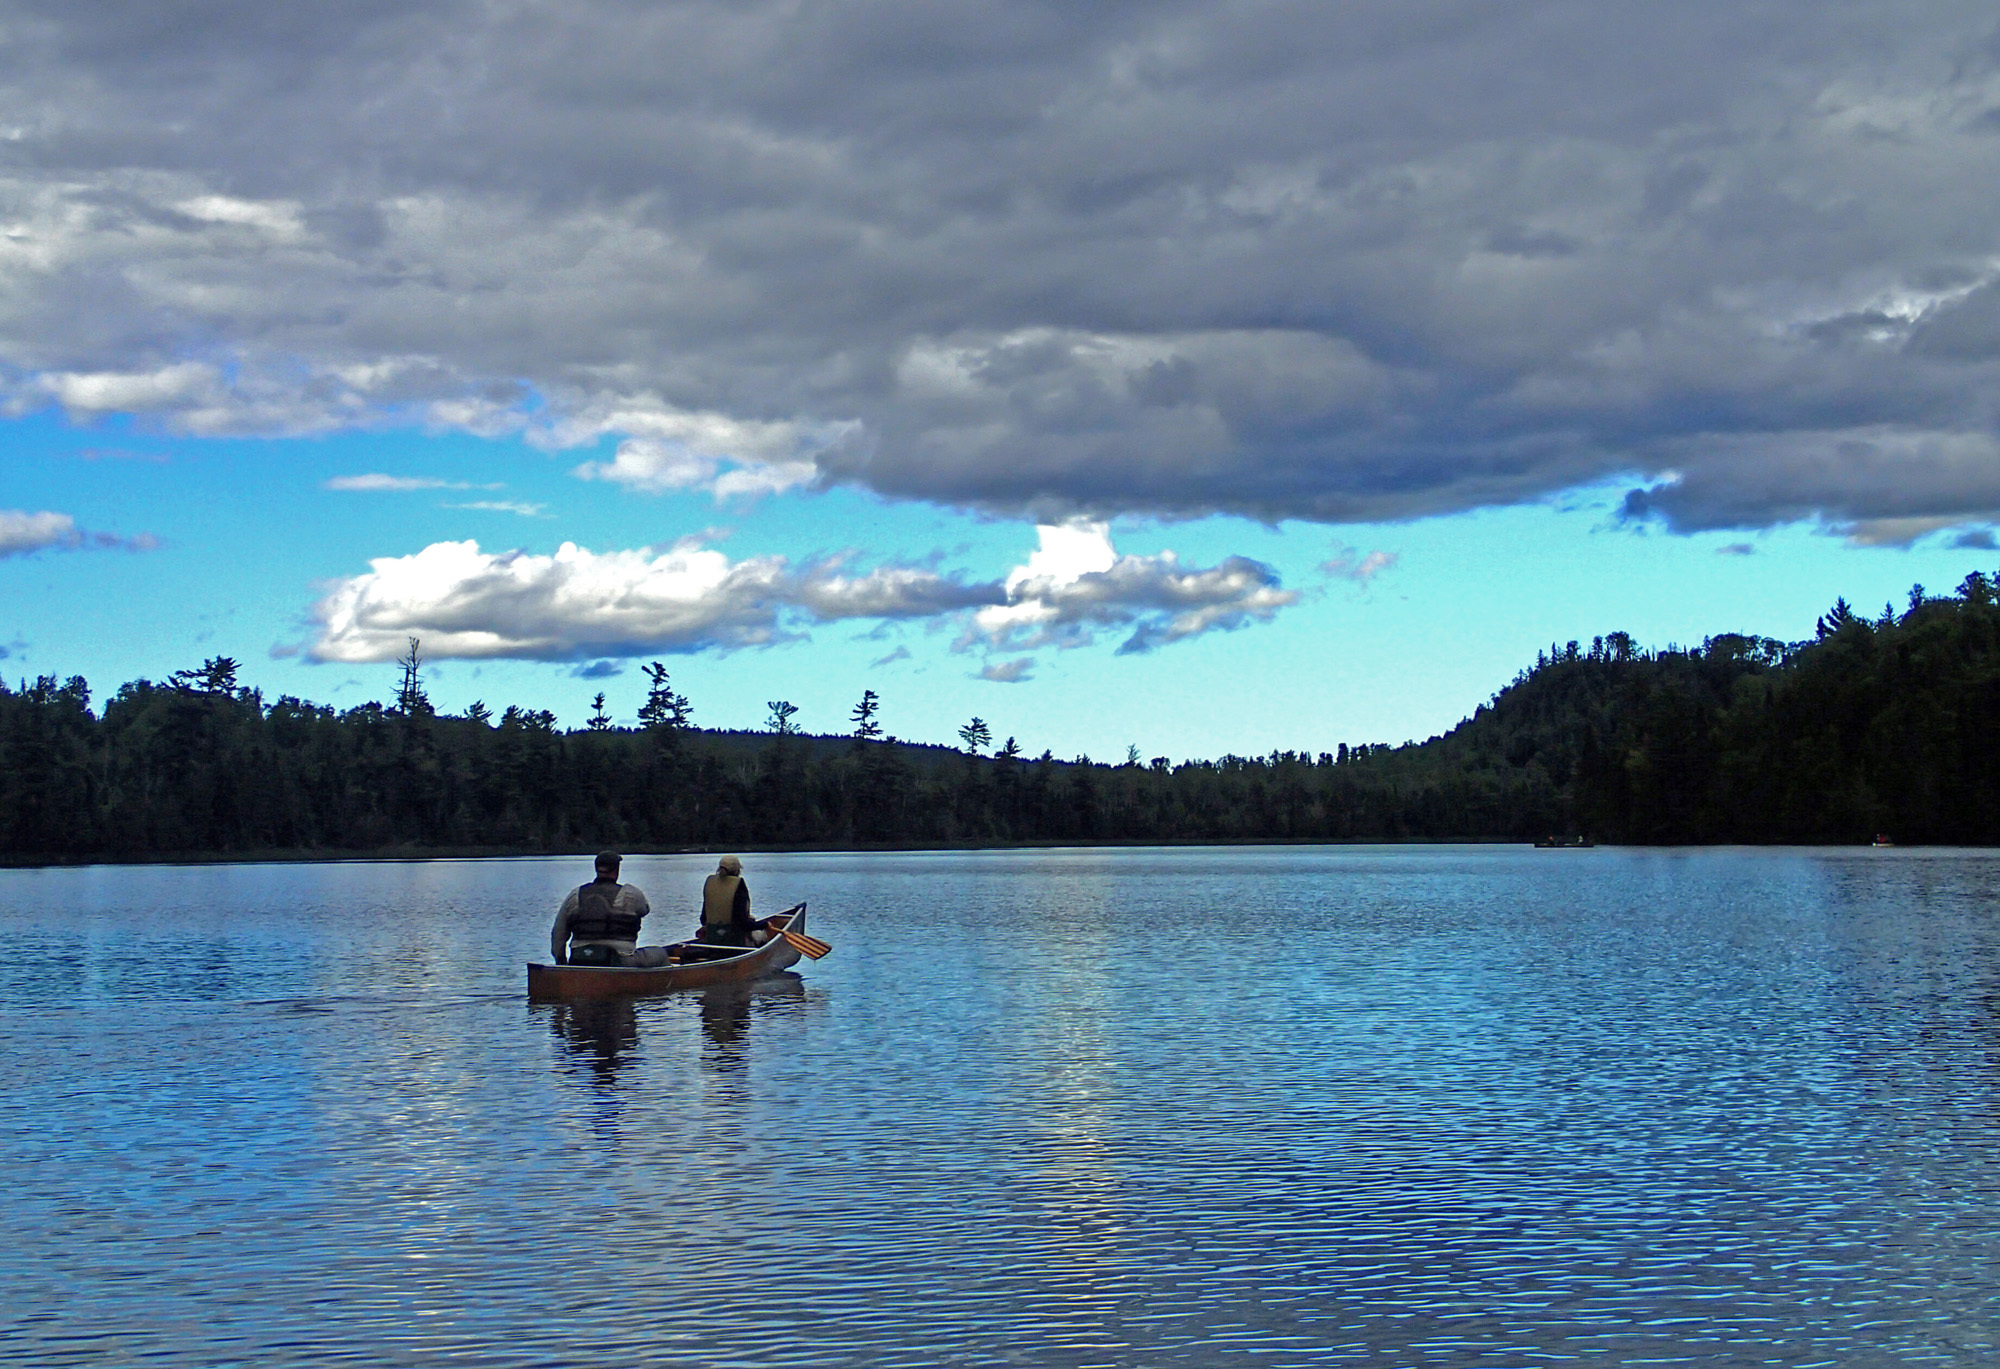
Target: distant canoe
[(697, 965), (1563, 843)]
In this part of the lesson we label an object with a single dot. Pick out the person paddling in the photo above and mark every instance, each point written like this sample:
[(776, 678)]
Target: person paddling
[(598, 924), (725, 907)]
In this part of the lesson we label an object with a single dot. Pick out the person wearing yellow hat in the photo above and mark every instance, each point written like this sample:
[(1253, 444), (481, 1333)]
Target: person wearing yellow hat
[(725, 907)]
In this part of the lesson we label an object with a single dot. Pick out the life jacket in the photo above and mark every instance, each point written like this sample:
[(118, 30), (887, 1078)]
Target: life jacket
[(596, 919), (718, 900)]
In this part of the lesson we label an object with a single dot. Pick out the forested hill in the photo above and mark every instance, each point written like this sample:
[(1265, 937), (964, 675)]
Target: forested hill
[(1886, 725), (1874, 726)]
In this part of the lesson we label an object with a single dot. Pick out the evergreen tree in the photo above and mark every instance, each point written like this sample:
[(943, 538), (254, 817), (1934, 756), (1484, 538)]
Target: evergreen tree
[(664, 710), (865, 726), (410, 696), (217, 675)]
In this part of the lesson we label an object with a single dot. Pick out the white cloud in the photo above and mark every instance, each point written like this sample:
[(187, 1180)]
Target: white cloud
[(471, 604), (102, 392), (765, 478), (1064, 553), (277, 218), (1075, 583), (663, 426), (376, 483), (22, 532), (577, 603), (888, 592), (1008, 672), (672, 449), (1350, 563), (525, 510), (652, 466)]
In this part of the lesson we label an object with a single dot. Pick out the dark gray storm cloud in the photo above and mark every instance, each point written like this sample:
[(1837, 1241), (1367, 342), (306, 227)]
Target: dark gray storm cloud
[(1377, 259)]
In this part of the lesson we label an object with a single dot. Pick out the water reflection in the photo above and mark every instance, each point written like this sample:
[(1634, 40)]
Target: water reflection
[(602, 1037), (725, 1017), (725, 1020)]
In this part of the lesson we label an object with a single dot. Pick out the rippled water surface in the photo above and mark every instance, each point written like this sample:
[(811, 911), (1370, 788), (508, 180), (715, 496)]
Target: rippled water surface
[(1373, 1106)]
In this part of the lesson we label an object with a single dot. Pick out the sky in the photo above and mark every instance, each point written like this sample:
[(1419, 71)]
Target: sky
[(1195, 378)]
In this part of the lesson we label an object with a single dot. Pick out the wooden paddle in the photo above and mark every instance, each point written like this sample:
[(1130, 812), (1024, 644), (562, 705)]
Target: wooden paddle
[(810, 947)]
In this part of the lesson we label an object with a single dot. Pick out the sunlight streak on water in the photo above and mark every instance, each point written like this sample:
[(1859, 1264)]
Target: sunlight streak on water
[(1458, 1106)]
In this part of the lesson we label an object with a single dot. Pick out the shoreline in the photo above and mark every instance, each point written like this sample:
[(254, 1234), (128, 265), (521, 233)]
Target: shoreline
[(417, 854), (392, 854)]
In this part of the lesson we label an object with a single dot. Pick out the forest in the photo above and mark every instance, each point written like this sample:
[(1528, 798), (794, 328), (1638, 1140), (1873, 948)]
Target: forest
[(1884, 725)]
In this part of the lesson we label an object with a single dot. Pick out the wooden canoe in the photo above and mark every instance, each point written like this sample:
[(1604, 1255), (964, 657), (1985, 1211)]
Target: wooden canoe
[(614, 981)]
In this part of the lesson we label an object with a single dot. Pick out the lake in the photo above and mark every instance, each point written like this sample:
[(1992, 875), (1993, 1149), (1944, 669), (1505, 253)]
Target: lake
[(1442, 1106)]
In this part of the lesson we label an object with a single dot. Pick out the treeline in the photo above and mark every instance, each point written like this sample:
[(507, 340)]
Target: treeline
[(1872, 727), (1885, 725), (185, 768)]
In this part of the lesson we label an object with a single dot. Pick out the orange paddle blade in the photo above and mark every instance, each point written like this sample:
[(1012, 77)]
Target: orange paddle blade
[(810, 947)]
